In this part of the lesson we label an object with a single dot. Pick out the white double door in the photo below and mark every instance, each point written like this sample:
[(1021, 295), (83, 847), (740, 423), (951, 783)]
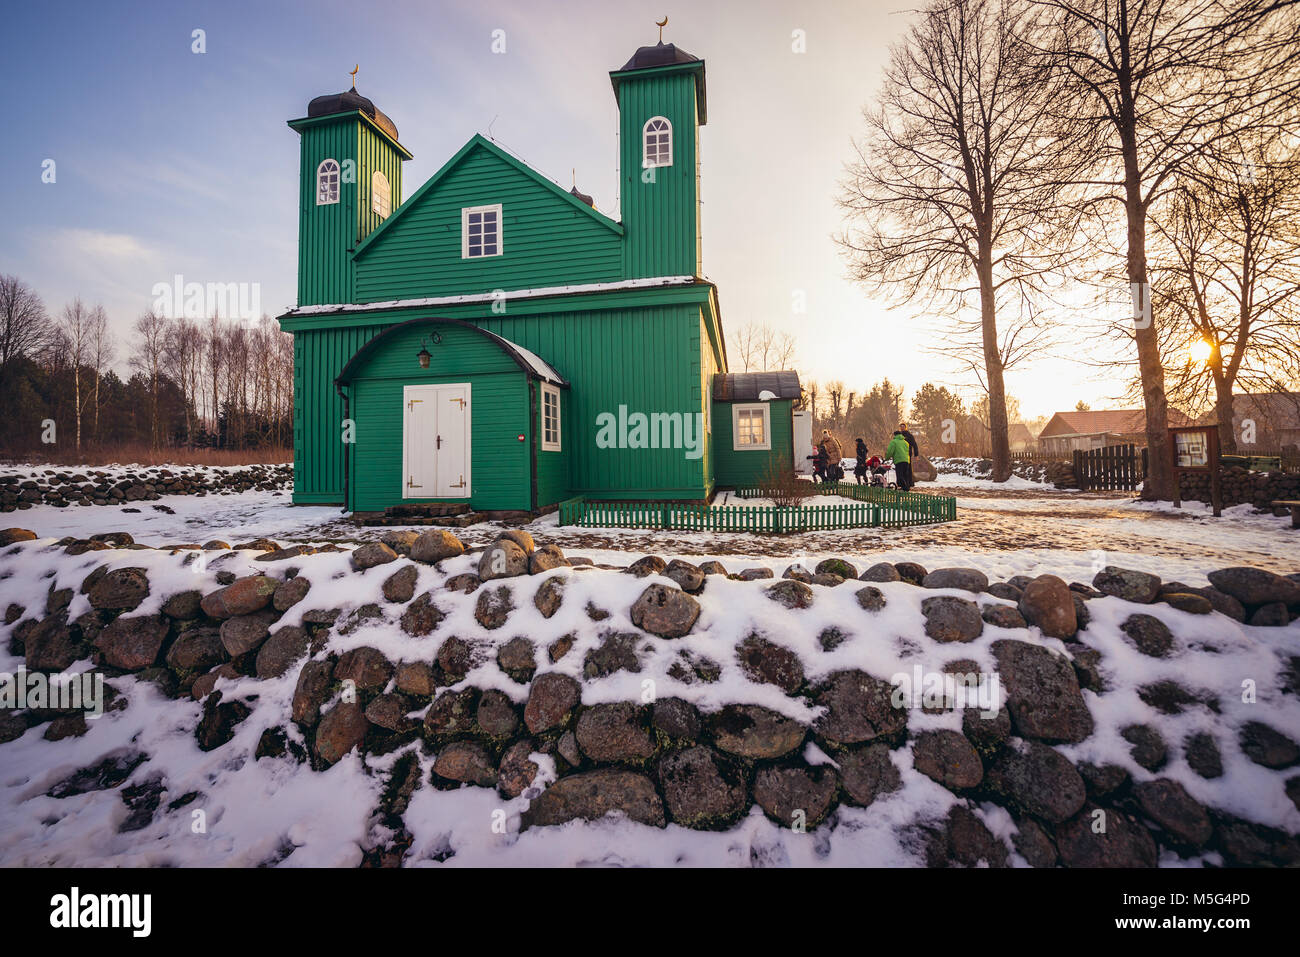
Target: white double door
[(436, 441)]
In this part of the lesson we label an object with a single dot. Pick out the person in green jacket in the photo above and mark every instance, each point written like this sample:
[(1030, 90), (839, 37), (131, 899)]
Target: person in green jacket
[(900, 453)]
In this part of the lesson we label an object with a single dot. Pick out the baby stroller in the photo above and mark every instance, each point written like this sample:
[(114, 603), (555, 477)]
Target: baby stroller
[(882, 473)]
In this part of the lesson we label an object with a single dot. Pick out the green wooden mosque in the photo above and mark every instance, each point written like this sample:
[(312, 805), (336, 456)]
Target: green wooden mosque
[(494, 340)]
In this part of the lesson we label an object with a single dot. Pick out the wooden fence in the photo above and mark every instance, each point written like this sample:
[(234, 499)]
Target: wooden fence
[(874, 508), (1113, 468)]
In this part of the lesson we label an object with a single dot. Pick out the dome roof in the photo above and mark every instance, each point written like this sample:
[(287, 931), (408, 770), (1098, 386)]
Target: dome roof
[(346, 102), (661, 54)]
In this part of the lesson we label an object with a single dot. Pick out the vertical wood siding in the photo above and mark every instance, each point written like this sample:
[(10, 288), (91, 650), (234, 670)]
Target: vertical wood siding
[(736, 469), (660, 219), (498, 414), (545, 240)]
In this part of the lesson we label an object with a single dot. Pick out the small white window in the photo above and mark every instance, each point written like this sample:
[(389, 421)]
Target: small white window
[(327, 182), (381, 195), (657, 143), (480, 231), (550, 418), (751, 427)]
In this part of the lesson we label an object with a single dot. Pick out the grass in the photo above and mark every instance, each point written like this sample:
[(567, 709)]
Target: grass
[(142, 454)]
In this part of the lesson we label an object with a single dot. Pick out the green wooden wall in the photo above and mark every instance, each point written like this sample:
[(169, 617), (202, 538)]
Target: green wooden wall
[(649, 359), (326, 233), (546, 240), (736, 468), (375, 153), (499, 410), (661, 217), (318, 357)]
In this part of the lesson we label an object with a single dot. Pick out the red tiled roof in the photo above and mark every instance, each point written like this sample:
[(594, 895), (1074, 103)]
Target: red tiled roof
[(1104, 421)]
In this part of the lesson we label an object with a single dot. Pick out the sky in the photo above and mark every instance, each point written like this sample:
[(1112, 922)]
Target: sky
[(168, 161)]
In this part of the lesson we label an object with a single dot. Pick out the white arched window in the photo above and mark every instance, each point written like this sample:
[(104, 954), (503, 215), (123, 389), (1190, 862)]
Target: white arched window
[(327, 182), (657, 143), (381, 196)]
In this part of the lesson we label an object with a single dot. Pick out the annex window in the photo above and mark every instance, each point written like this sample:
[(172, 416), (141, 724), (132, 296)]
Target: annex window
[(327, 182), (480, 233), (657, 143), (550, 418), (381, 195), (751, 427)]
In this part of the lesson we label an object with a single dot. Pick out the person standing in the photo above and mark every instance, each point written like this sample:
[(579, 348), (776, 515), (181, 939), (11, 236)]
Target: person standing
[(860, 470), (832, 446), (900, 453), (911, 440)]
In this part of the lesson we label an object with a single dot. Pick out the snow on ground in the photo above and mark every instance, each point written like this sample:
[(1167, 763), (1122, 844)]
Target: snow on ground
[(279, 812), (1002, 531)]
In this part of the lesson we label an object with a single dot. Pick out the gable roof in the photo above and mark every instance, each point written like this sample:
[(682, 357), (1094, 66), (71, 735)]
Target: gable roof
[(1278, 410), (1019, 432), (530, 362), (1104, 421), (478, 141), (748, 386)]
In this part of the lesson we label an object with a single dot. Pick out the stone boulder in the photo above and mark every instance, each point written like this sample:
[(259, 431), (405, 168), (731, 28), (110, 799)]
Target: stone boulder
[(551, 701), (666, 612), (243, 633), (1149, 634), (244, 596), (1121, 842), (867, 773), (504, 559), (752, 731), (436, 545), (859, 709), (1255, 586), (1048, 603), (341, 729), (614, 733), (593, 794), (947, 757), (967, 579), (133, 644), (951, 619), (1038, 780), (372, 554), (796, 796), (1042, 692), (1140, 587), (122, 589), (702, 789)]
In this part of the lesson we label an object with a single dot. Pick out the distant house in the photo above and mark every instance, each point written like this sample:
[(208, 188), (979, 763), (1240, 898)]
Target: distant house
[(975, 438), (1067, 431), (1020, 438), (1273, 419)]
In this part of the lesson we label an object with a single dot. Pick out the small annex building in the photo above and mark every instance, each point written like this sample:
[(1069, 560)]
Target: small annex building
[(495, 340)]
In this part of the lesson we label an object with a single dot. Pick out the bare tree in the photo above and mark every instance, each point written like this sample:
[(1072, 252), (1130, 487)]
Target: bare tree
[(76, 323), (151, 344), (956, 191), (25, 327), (762, 348), (1163, 79), (1229, 276), (102, 349)]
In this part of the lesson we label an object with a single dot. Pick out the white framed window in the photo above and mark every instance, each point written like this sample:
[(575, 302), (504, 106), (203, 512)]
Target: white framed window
[(327, 182), (751, 427), (480, 231), (656, 143), (550, 418), (381, 195)]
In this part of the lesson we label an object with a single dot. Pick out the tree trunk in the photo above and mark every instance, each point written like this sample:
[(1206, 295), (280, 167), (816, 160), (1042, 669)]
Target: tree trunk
[(1223, 406), (1159, 479), (1001, 449), (76, 398)]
